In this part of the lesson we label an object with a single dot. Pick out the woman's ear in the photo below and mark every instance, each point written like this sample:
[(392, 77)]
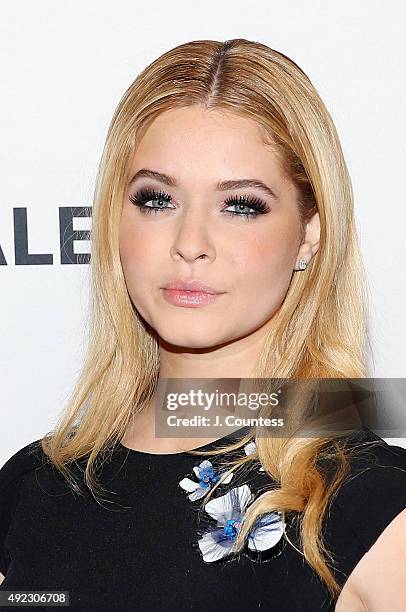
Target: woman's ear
[(310, 244)]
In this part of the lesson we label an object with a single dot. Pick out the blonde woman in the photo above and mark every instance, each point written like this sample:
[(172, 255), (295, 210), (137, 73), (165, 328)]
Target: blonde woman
[(223, 247)]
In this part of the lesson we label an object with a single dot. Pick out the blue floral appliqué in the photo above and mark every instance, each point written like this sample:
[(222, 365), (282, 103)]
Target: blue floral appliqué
[(207, 477), (229, 512)]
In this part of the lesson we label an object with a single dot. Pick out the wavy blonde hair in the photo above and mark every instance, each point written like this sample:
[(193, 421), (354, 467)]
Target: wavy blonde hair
[(320, 329)]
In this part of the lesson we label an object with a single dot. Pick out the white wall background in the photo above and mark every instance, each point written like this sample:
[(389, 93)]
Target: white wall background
[(64, 67)]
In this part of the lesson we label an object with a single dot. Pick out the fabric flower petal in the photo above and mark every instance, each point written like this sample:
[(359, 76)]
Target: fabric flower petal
[(230, 505), (250, 448), (198, 494), (267, 532), (204, 464), (189, 485), (226, 478), (214, 545)]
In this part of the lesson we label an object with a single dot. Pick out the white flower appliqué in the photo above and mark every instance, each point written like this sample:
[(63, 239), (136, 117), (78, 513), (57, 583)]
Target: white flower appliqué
[(250, 448), (207, 476), (229, 511)]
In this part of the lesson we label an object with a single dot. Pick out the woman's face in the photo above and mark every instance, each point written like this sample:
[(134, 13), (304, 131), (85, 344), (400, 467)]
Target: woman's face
[(188, 232)]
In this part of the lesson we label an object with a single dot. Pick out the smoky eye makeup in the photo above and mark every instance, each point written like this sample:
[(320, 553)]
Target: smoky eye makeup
[(150, 201)]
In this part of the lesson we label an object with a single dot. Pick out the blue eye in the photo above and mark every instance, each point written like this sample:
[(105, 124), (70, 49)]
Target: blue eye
[(142, 197), (241, 203), (257, 206)]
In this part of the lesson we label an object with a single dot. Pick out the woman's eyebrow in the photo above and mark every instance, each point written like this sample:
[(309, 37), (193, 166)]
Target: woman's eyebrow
[(221, 185)]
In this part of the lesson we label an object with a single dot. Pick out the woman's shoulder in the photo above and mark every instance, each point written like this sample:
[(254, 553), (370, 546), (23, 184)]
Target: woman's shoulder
[(25, 461), (22, 461), (377, 479), (371, 496)]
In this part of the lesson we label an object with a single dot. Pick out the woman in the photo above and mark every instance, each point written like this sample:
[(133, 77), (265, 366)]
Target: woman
[(223, 247)]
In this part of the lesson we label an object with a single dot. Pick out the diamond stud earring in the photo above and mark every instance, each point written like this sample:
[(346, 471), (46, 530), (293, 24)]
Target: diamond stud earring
[(302, 264)]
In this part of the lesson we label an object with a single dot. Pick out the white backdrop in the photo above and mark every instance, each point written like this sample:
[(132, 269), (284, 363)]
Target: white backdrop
[(65, 66)]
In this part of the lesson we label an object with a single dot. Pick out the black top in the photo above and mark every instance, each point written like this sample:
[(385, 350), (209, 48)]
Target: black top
[(139, 550)]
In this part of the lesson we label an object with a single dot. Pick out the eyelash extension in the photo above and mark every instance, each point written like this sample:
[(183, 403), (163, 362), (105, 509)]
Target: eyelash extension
[(144, 195), (259, 207)]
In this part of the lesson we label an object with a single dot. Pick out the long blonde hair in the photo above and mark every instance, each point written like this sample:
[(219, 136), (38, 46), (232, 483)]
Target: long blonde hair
[(320, 329)]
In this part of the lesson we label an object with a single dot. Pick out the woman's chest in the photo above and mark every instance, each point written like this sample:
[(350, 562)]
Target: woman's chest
[(142, 552)]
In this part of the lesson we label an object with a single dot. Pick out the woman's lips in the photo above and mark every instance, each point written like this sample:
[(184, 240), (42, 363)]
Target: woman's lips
[(189, 299)]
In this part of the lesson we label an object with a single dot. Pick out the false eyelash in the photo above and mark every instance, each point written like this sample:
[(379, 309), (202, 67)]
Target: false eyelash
[(140, 198), (144, 195), (256, 204)]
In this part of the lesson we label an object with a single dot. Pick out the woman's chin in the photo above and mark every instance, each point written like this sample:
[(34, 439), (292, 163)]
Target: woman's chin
[(197, 339)]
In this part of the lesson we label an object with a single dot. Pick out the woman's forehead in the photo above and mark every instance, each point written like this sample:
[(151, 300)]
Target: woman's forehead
[(199, 144)]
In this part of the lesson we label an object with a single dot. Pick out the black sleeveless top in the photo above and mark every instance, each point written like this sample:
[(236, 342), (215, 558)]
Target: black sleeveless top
[(147, 545)]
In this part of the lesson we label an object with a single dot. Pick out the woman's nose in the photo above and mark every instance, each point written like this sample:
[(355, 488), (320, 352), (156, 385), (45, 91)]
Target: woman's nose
[(193, 236)]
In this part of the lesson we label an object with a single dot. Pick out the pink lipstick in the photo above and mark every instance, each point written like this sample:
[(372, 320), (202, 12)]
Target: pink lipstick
[(190, 293)]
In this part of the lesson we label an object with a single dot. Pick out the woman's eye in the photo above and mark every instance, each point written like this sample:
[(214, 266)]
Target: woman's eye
[(246, 207), (143, 198), (241, 209)]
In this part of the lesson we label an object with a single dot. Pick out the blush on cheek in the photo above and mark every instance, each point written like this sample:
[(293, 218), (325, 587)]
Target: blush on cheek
[(137, 250)]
